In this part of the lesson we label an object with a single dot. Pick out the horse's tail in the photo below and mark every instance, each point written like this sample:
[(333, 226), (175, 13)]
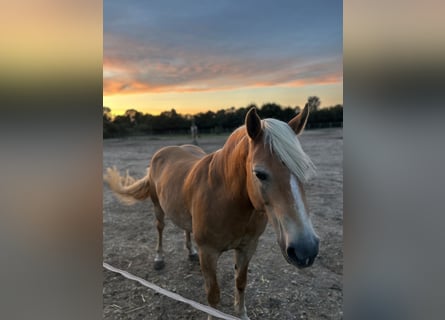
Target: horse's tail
[(127, 189)]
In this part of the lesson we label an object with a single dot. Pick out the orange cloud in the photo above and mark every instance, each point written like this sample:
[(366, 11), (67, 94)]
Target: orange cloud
[(146, 70), (113, 87)]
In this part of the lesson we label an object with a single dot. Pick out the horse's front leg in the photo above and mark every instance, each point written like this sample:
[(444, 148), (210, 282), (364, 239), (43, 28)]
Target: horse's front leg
[(208, 260), (242, 259), (193, 254)]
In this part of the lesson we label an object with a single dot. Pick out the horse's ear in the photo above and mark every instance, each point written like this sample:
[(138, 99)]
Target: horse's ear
[(298, 122), (253, 123)]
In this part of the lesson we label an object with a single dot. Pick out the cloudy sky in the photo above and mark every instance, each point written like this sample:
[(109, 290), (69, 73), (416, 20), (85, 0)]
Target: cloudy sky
[(203, 55)]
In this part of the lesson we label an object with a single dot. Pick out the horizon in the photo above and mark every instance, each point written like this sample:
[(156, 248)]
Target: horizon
[(213, 56), (203, 110)]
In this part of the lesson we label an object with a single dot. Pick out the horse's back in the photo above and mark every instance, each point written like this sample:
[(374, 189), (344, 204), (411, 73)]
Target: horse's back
[(177, 157), (194, 150)]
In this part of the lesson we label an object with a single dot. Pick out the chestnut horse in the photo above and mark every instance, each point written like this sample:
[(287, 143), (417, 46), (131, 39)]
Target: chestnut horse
[(226, 198)]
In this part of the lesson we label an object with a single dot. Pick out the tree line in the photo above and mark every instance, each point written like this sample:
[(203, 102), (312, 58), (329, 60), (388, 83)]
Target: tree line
[(134, 123)]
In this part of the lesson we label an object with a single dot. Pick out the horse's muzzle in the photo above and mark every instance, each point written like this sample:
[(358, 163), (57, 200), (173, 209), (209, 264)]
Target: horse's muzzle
[(302, 254)]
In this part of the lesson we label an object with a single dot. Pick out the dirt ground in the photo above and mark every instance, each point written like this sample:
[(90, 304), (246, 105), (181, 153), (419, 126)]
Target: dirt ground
[(275, 290)]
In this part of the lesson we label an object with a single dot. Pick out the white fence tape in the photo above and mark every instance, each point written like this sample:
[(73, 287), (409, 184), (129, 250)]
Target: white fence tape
[(209, 310)]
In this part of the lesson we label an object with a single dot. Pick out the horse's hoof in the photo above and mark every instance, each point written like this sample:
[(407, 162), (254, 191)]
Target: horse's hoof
[(193, 257), (159, 264)]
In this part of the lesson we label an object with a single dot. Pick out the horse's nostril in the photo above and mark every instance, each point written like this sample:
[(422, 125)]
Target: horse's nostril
[(291, 253), (295, 258), (303, 254)]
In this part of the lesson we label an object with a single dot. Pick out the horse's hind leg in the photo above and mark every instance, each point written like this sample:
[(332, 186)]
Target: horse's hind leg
[(208, 261), (193, 254), (159, 258), (242, 259)]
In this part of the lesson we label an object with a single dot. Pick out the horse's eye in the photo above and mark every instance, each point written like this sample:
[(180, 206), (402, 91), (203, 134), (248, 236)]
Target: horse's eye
[(261, 175)]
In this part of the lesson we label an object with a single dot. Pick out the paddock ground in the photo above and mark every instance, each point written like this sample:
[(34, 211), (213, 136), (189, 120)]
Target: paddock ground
[(275, 290)]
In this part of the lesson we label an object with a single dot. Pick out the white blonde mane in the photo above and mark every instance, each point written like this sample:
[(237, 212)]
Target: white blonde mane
[(284, 143)]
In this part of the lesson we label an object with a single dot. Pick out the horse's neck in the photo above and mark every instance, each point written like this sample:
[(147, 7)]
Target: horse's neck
[(230, 161)]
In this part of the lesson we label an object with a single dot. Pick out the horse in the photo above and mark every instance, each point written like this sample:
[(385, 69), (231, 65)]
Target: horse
[(226, 198)]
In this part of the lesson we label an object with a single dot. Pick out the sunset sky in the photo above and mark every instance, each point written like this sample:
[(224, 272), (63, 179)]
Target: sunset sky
[(208, 55)]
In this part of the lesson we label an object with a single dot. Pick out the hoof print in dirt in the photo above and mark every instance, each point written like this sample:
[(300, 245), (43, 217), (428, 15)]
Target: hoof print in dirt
[(158, 265)]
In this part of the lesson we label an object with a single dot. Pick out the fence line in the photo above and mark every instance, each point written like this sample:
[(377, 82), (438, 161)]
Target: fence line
[(209, 310)]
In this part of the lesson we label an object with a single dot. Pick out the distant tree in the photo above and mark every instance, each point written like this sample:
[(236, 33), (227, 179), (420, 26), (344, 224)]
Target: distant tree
[(326, 117), (270, 110), (110, 130), (206, 121), (231, 119), (131, 114), (106, 112), (145, 123), (288, 113), (314, 102), (241, 114), (220, 118), (134, 123), (170, 122)]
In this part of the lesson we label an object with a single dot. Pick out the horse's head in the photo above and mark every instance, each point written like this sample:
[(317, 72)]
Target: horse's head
[(276, 168)]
